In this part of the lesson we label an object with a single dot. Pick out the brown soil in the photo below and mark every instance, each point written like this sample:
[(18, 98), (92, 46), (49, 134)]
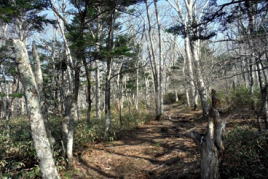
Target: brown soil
[(158, 149)]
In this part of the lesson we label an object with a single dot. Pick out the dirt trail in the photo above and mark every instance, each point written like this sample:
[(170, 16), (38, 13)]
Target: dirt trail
[(155, 150)]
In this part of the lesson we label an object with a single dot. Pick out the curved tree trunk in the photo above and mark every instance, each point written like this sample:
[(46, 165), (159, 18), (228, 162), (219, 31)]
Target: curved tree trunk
[(38, 130)]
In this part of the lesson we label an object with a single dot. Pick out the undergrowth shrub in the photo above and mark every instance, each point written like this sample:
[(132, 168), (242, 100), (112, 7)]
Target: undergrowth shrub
[(17, 154), (224, 97), (182, 99), (246, 154), (169, 98), (239, 98), (96, 130)]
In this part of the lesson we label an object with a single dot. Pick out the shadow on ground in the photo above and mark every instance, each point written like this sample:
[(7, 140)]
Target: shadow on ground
[(158, 149)]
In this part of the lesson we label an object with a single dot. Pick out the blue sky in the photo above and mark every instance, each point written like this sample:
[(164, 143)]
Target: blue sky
[(164, 9)]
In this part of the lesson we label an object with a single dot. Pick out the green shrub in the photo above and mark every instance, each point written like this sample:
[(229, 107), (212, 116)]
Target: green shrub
[(245, 155), (241, 97), (17, 154), (95, 131), (224, 97), (182, 98), (169, 98)]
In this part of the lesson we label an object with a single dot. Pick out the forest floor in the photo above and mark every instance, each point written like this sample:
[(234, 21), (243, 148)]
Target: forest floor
[(158, 149)]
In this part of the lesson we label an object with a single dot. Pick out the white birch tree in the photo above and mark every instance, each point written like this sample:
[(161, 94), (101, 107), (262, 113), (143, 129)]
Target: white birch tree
[(38, 129)]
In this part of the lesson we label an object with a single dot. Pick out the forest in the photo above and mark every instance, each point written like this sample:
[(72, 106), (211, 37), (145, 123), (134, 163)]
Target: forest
[(130, 89)]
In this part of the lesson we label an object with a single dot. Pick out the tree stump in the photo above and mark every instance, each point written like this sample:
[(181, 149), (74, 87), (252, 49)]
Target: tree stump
[(211, 144)]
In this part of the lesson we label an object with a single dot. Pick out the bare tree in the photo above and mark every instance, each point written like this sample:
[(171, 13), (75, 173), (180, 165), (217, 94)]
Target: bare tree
[(155, 67), (71, 113)]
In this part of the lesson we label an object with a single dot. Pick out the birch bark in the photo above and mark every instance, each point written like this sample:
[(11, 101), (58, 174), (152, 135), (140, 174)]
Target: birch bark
[(195, 53), (70, 113), (38, 130), (155, 69), (161, 66), (39, 82)]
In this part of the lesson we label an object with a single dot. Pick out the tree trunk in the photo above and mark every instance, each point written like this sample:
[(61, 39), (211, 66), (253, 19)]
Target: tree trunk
[(120, 93), (161, 66), (108, 74), (37, 68), (262, 113), (211, 145), (137, 88), (6, 102), (155, 70), (88, 77), (189, 60), (38, 74), (250, 75), (146, 81), (176, 96), (70, 117), (186, 89), (97, 95), (97, 71), (199, 78), (70, 114), (41, 142), (108, 97), (68, 128)]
